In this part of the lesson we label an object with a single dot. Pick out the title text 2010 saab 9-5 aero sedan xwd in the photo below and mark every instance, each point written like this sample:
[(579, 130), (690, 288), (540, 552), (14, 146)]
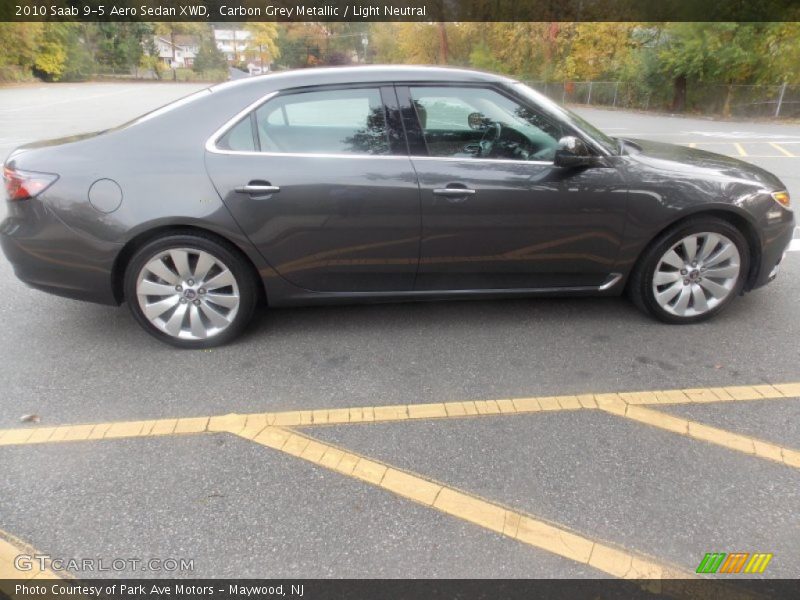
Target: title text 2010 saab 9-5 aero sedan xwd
[(381, 183)]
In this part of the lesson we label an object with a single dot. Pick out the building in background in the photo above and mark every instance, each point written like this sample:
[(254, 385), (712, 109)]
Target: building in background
[(185, 50), (233, 43)]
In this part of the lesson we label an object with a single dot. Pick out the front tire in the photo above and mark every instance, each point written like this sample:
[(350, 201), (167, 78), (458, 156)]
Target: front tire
[(190, 290), (692, 271)]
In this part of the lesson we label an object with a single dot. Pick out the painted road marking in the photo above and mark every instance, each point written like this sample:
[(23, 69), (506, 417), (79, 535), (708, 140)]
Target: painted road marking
[(393, 412), (745, 135), (630, 405), (781, 149), (10, 548), (469, 507), (750, 149), (271, 429), (706, 433)]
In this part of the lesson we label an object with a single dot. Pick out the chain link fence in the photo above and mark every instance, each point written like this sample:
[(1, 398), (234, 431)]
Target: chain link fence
[(745, 101)]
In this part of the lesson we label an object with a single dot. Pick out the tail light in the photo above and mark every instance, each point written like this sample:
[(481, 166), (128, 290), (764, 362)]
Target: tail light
[(21, 185)]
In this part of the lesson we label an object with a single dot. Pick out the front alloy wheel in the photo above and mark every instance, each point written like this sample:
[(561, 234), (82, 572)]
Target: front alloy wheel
[(692, 271), (696, 274), (190, 290)]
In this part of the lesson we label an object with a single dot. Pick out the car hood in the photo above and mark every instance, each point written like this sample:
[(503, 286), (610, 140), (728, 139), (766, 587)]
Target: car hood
[(685, 161)]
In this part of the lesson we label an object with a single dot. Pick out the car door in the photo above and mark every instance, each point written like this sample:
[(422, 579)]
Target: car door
[(497, 213), (321, 182)]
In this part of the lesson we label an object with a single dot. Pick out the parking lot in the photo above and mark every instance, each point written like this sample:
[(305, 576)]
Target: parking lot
[(521, 438)]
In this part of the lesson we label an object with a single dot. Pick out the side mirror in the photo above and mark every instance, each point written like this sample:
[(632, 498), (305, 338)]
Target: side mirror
[(573, 152), (477, 121)]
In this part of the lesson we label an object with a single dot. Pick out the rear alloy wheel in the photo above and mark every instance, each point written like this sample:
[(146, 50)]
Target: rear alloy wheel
[(692, 272), (190, 291)]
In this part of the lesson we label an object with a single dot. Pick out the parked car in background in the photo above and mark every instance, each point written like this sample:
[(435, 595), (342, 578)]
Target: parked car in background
[(375, 184)]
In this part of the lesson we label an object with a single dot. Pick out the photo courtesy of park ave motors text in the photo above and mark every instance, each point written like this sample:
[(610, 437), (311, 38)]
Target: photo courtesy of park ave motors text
[(314, 300)]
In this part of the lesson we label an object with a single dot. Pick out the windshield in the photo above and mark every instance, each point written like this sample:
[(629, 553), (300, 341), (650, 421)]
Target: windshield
[(570, 117)]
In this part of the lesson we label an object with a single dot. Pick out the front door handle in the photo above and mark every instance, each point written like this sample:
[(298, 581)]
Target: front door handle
[(453, 192), (258, 189)]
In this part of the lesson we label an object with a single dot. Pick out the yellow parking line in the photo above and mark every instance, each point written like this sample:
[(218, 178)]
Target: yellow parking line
[(706, 433), (234, 423), (10, 549), (740, 149), (469, 507), (781, 149)]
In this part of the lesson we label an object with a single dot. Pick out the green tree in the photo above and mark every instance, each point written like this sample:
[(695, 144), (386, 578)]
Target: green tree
[(20, 43), (63, 52), (209, 57), (150, 61), (710, 53), (263, 44), (170, 29), (118, 46)]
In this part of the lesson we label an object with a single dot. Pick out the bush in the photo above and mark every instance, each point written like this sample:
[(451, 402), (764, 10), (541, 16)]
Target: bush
[(190, 75), (15, 74)]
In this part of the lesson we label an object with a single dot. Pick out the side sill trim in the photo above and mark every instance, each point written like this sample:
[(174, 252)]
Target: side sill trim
[(613, 279)]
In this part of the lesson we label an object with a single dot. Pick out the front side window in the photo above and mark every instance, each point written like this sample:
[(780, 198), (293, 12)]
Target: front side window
[(482, 123), (349, 121)]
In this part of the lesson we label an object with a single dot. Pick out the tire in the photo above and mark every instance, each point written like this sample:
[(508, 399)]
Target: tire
[(676, 287), (191, 290)]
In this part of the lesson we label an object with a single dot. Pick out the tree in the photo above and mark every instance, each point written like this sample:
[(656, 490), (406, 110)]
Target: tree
[(20, 43), (209, 57), (264, 42), (150, 60), (118, 45), (170, 29), (599, 50), (63, 52), (710, 53)]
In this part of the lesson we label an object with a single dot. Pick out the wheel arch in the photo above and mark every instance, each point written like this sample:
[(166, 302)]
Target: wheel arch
[(137, 241), (736, 218)]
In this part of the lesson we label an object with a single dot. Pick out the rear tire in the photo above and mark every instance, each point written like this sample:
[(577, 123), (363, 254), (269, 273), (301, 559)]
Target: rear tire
[(190, 290), (692, 271)]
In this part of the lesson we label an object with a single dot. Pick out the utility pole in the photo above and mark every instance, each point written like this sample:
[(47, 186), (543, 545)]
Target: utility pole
[(780, 100)]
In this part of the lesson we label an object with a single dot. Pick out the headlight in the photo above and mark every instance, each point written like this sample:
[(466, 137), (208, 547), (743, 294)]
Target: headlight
[(782, 198)]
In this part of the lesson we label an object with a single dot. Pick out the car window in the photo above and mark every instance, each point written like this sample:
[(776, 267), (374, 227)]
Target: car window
[(239, 137), (483, 123), (328, 122)]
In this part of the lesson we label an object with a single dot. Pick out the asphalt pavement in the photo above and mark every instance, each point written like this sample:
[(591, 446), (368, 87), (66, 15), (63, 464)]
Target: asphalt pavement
[(237, 506)]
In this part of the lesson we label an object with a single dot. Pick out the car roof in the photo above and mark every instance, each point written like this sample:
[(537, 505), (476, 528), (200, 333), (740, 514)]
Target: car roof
[(362, 74)]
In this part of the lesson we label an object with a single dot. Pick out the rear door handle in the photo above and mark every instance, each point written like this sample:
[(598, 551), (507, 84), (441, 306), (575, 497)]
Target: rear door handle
[(258, 189)]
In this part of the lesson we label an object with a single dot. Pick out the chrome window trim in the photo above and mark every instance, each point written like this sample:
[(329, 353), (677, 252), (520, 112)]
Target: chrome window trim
[(211, 142), (211, 145), (485, 160)]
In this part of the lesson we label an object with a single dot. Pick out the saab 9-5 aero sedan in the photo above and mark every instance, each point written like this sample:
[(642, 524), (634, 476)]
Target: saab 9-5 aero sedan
[(381, 183)]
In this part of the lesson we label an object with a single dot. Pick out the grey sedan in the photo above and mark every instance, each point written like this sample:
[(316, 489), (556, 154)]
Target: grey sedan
[(381, 184)]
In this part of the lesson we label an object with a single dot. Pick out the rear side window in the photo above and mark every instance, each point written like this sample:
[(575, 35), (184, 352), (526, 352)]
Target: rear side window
[(349, 121), (239, 137)]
